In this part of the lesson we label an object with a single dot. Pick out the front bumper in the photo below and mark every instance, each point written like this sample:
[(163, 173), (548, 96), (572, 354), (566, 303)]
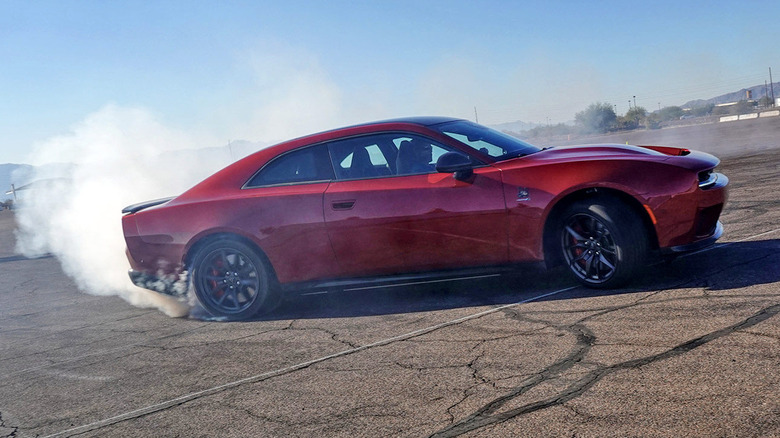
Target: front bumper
[(695, 246), (175, 285)]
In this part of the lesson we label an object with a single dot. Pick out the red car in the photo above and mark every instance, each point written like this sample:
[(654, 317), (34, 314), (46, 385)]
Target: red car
[(418, 199)]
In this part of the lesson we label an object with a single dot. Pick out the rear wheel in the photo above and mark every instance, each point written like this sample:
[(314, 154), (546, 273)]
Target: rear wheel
[(603, 241), (231, 280)]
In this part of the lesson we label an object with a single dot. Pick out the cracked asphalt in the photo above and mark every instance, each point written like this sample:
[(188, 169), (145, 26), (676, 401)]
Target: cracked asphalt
[(691, 348)]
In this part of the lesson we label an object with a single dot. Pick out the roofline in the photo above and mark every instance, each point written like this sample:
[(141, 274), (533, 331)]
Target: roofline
[(425, 121), (417, 120)]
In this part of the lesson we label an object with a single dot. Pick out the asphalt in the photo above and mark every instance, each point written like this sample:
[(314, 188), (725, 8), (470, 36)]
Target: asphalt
[(691, 348)]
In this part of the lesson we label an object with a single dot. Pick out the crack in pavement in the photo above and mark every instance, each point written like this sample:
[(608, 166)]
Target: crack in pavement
[(290, 369), (585, 340), (485, 416), (491, 412), (14, 429), (91, 354)]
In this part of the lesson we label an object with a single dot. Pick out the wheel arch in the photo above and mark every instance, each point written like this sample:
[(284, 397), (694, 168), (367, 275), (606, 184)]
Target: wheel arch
[(205, 239), (551, 256)]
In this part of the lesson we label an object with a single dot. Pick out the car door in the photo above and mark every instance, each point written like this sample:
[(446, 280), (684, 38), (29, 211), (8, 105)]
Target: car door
[(282, 207), (383, 222)]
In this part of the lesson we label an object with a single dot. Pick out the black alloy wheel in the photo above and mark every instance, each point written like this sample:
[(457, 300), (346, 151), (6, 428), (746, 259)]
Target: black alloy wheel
[(603, 242), (231, 280)]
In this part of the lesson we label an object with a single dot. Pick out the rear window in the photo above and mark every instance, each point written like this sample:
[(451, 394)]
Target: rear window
[(311, 164)]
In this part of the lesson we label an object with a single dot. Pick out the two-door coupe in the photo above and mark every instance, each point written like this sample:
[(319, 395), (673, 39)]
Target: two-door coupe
[(417, 199)]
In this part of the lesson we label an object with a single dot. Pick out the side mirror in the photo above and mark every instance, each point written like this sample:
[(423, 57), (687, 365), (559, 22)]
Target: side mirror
[(457, 163)]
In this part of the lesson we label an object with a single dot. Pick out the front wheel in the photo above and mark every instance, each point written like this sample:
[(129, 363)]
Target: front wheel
[(231, 280), (603, 241)]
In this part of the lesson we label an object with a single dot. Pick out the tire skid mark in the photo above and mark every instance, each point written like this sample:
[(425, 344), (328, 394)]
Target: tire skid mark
[(585, 340), (485, 416)]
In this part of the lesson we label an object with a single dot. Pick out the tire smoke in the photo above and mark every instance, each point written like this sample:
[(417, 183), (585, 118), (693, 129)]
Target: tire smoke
[(119, 156)]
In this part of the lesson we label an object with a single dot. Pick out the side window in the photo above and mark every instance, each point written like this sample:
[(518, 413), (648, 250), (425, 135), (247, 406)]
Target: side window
[(417, 155), (374, 155), (386, 154), (300, 166), (362, 157)]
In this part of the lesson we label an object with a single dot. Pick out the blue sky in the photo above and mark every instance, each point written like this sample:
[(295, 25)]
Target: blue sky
[(265, 71)]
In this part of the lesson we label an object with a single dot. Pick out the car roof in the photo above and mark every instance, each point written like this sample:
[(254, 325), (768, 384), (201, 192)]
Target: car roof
[(424, 121), (419, 120), (237, 173)]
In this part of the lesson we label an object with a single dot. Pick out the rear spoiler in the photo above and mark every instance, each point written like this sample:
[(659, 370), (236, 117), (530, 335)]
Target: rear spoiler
[(681, 152), (143, 205)]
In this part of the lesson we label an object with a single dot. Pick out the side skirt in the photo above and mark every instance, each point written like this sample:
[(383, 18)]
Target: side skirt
[(399, 280)]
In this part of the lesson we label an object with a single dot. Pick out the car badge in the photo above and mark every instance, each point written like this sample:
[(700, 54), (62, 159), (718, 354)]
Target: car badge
[(522, 194)]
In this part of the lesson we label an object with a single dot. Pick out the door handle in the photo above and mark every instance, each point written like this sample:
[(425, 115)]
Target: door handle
[(343, 205)]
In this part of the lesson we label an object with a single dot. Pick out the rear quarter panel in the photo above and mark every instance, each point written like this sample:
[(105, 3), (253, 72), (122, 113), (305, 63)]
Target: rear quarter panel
[(285, 222)]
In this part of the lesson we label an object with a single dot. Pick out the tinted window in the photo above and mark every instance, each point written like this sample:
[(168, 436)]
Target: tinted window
[(300, 166), (417, 154), (363, 157), (385, 155)]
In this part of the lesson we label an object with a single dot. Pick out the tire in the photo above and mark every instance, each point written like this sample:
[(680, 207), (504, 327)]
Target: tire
[(232, 281), (603, 241)]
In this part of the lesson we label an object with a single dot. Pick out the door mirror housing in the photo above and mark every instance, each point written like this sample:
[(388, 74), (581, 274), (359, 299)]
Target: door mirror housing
[(457, 163)]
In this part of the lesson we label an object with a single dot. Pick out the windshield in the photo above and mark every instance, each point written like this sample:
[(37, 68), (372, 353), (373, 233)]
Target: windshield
[(488, 141)]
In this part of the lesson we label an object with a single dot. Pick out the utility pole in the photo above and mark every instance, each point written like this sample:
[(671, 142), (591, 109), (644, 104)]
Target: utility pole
[(476, 117), (634, 101), (772, 84)]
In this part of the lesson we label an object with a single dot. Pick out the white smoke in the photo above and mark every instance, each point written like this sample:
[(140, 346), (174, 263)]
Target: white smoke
[(276, 92), (122, 156), (119, 156)]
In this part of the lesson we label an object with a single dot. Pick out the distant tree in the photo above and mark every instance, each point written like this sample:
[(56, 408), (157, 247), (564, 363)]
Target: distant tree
[(7, 204), (653, 120), (704, 110), (597, 118), (624, 123), (633, 118), (670, 113), (720, 110), (546, 131), (636, 113), (742, 107), (765, 102)]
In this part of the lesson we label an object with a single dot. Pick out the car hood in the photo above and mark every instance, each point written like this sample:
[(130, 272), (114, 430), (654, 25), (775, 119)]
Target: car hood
[(597, 151), (689, 159)]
